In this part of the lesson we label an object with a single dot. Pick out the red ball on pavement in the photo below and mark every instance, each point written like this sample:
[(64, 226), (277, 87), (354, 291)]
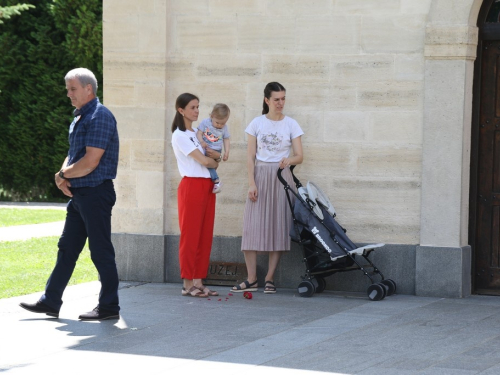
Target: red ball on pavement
[(247, 295)]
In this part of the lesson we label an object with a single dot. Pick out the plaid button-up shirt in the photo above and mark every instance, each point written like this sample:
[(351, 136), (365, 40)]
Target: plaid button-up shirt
[(94, 126)]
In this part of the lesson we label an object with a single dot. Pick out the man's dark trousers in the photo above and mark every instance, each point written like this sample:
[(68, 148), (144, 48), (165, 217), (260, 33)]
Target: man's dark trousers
[(88, 215)]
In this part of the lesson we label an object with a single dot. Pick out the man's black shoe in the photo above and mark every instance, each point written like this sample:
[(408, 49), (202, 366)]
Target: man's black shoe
[(40, 307), (99, 314)]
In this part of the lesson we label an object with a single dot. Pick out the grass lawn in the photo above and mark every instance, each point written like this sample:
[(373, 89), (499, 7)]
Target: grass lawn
[(26, 265), (21, 216)]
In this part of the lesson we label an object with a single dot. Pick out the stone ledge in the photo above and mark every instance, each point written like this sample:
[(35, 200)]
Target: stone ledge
[(417, 270), (140, 258), (443, 271)]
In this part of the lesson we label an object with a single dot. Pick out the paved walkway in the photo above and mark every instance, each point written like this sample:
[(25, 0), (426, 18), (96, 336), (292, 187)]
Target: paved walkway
[(161, 332), (24, 232), (34, 205)]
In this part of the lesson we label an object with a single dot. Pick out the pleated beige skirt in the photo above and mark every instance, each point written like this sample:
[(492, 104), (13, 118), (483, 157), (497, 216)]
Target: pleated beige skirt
[(267, 222)]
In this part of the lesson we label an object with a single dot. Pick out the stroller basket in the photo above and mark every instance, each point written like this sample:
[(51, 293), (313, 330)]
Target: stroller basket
[(325, 245)]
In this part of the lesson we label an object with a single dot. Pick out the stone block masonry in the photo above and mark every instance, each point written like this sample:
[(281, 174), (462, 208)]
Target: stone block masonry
[(355, 74)]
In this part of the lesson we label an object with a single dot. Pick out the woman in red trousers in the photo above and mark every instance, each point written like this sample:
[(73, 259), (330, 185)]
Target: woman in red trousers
[(195, 200)]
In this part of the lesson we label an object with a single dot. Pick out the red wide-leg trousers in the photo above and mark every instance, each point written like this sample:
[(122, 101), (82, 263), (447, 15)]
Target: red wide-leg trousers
[(196, 206)]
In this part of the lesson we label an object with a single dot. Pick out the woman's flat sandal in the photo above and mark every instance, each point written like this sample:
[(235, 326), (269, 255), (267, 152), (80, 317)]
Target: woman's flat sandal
[(248, 287)]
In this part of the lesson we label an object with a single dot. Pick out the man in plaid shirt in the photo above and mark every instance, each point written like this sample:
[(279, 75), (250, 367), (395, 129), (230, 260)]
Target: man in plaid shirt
[(86, 177)]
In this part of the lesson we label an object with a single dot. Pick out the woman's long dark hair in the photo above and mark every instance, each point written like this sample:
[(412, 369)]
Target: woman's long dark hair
[(270, 87), (181, 102)]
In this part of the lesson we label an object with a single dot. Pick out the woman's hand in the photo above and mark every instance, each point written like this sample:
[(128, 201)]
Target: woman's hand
[(212, 154), (284, 163), (202, 159), (252, 193)]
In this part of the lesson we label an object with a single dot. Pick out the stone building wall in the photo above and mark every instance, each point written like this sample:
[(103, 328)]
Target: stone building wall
[(355, 76)]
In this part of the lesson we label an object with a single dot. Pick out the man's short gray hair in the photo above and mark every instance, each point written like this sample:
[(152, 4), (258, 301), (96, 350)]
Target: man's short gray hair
[(85, 76)]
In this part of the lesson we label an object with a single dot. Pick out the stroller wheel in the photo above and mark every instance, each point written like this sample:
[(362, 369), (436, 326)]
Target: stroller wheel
[(391, 285), (386, 289), (376, 292), (306, 288), (321, 285)]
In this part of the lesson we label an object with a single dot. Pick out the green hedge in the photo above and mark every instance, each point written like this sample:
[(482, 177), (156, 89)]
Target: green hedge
[(37, 48)]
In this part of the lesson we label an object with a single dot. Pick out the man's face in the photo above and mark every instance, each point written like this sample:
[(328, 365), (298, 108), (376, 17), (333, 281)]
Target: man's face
[(78, 94)]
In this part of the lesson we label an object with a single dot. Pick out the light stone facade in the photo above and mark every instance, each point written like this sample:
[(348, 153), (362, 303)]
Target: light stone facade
[(381, 88)]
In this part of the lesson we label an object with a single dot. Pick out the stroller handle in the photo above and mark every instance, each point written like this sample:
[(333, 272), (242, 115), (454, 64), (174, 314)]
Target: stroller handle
[(295, 179)]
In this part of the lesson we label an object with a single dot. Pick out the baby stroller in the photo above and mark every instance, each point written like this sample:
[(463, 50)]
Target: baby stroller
[(326, 248)]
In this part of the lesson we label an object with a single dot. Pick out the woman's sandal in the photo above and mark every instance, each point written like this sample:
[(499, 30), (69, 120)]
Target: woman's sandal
[(193, 292), (270, 289), (208, 292), (248, 287)]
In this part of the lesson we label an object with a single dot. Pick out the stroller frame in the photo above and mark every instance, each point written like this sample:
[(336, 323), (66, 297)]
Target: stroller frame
[(317, 256)]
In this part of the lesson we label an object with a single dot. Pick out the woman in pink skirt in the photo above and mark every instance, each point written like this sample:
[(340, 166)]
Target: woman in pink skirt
[(267, 217)]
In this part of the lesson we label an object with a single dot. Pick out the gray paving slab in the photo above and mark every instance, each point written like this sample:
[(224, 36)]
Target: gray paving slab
[(491, 371), (163, 332), (443, 371)]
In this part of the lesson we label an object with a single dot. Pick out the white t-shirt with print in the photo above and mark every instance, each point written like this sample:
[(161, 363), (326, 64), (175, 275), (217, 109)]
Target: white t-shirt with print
[(274, 138), (183, 144)]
